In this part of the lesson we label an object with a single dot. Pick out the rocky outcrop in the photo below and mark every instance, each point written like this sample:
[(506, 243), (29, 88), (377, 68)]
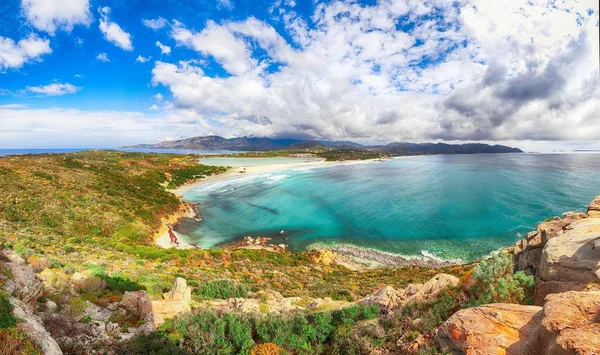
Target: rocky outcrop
[(497, 328), (567, 324), (33, 326), (563, 253), (593, 210), (24, 284), (571, 323), (388, 298), (155, 312)]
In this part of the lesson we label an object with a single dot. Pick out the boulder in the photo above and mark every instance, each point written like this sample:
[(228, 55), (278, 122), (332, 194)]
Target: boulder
[(54, 279), (431, 288), (175, 302), (593, 209), (573, 256), (139, 302), (571, 322), (387, 298), (32, 325), (498, 328)]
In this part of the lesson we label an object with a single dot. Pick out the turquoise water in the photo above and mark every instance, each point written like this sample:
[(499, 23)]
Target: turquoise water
[(451, 206)]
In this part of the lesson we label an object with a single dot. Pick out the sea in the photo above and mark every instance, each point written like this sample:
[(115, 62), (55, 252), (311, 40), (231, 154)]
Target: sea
[(443, 206)]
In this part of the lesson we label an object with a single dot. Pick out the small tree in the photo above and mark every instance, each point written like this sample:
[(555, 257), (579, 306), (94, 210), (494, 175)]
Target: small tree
[(494, 281)]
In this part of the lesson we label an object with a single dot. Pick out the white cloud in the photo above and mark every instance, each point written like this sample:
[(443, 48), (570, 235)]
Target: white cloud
[(78, 76), (53, 15), (24, 127), (225, 4), (15, 55), (219, 42), (164, 49), (54, 89), (445, 70), (103, 57), (154, 107), (141, 59), (113, 32), (159, 97), (155, 24)]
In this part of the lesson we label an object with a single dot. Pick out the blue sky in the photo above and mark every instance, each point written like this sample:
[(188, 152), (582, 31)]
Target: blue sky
[(106, 73)]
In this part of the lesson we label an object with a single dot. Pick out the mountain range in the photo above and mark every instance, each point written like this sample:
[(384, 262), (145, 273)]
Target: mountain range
[(268, 144)]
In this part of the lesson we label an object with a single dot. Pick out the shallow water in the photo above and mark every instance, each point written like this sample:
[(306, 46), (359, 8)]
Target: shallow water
[(450, 206), (239, 162)]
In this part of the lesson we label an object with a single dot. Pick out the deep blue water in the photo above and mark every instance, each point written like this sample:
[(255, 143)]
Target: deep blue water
[(451, 206)]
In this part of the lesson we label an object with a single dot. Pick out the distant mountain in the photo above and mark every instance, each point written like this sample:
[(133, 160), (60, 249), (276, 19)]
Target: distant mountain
[(443, 148), (266, 144)]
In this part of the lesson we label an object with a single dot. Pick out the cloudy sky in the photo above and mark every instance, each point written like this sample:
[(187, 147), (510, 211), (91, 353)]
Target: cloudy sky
[(102, 73)]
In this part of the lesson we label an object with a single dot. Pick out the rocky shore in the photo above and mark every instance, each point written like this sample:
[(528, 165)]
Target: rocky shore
[(563, 254)]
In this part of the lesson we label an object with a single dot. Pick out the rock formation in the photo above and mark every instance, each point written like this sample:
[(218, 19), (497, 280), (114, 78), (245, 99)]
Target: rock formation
[(388, 298), (491, 329), (567, 324), (563, 254)]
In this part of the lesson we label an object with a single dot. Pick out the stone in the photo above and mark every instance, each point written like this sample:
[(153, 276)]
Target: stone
[(593, 209), (431, 288), (180, 291), (571, 321), (27, 287), (112, 327), (32, 325), (387, 298), (411, 289), (145, 328), (573, 256), (498, 328), (51, 306), (175, 302)]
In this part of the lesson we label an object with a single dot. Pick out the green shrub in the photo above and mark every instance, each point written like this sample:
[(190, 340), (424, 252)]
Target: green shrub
[(151, 344), (494, 281), (222, 289), (7, 320), (15, 342)]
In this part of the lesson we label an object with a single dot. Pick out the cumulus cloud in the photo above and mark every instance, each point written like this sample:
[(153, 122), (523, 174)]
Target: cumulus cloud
[(53, 15), (141, 59), (155, 24), (113, 32), (164, 49), (399, 70), (103, 57), (54, 89), (15, 55)]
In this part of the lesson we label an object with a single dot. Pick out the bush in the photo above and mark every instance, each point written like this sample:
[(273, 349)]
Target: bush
[(494, 281), (222, 289), (15, 342), (7, 320), (266, 349), (151, 344)]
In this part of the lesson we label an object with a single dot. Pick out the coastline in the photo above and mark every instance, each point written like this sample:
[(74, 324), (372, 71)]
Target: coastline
[(164, 239)]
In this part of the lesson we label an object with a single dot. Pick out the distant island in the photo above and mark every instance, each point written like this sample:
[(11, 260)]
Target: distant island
[(320, 146)]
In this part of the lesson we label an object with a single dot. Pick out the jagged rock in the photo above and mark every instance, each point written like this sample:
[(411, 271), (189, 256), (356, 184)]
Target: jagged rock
[(32, 325), (411, 289), (431, 288), (139, 302), (593, 209), (498, 328), (27, 287), (571, 321), (175, 302), (112, 327), (97, 313), (386, 298)]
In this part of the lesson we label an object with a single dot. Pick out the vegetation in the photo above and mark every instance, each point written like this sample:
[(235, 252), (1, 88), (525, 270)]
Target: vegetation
[(15, 342), (221, 289), (7, 320), (206, 332)]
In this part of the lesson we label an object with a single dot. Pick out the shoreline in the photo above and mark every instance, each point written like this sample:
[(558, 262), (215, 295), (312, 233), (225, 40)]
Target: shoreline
[(351, 256), (163, 237)]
